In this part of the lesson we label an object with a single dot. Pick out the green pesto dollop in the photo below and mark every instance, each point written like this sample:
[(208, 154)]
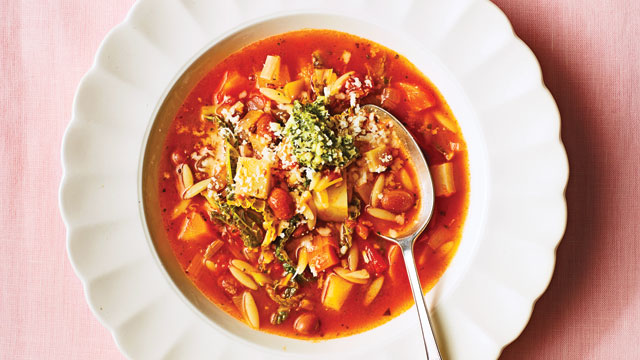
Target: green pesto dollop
[(315, 144)]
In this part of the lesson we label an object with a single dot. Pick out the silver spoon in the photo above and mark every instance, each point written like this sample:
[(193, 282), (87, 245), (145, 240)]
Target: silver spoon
[(409, 236)]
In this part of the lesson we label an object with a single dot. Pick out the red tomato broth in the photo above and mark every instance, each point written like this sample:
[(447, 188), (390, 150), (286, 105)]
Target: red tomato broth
[(295, 50)]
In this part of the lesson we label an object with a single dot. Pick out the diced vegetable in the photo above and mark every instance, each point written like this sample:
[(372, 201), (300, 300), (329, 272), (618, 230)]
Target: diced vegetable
[(445, 121), (196, 265), (391, 97), (418, 98), (439, 236), (231, 83), (364, 191), (253, 177), (271, 68), (293, 89), (321, 182), (443, 179), (180, 209), (248, 122), (321, 199), (378, 159), (374, 261), (338, 204), (324, 254), (213, 248), (193, 228), (335, 292), (207, 112), (323, 78), (339, 83)]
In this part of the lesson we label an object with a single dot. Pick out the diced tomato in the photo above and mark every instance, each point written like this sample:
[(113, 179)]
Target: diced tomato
[(276, 269), (323, 255), (362, 231), (229, 285), (220, 263), (300, 230), (373, 260)]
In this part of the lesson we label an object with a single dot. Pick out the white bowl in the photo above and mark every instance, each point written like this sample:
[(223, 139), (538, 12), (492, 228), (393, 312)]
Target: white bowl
[(517, 164)]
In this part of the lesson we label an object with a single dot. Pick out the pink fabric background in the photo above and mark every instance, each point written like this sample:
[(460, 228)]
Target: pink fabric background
[(590, 56)]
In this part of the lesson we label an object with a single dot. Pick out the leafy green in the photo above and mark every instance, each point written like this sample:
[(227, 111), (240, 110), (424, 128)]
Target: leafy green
[(315, 144), (289, 292), (286, 299), (354, 208), (224, 128), (280, 254), (280, 316), (346, 233), (246, 221), (231, 160)]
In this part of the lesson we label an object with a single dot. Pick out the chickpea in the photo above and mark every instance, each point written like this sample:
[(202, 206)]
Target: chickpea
[(307, 323)]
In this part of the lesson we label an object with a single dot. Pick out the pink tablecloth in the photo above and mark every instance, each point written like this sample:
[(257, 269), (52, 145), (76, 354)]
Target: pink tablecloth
[(590, 55)]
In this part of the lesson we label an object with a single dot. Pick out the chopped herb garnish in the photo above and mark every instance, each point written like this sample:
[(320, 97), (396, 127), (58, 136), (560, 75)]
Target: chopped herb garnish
[(315, 144)]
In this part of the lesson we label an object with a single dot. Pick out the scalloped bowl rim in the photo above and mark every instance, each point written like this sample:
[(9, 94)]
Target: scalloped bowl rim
[(66, 173)]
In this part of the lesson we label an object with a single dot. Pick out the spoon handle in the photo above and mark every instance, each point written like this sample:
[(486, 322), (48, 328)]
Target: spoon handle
[(430, 344)]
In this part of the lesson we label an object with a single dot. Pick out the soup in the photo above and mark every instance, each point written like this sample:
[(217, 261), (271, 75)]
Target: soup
[(275, 182)]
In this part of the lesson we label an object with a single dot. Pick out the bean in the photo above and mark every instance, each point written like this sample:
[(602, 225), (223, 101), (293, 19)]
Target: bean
[(281, 204), (307, 323), (397, 201)]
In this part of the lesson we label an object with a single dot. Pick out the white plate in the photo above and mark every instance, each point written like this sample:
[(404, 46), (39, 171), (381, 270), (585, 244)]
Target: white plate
[(493, 84)]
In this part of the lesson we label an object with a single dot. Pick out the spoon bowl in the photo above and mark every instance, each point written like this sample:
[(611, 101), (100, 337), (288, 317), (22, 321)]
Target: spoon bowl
[(408, 236)]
